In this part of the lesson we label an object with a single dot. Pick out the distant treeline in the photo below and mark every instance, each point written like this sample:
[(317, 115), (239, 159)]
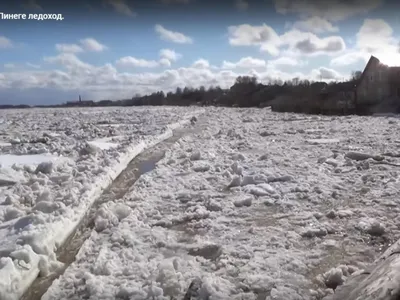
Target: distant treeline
[(9, 106), (292, 96)]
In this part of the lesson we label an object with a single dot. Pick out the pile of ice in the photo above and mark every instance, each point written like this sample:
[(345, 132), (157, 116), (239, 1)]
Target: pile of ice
[(256, 205), (59, 161)]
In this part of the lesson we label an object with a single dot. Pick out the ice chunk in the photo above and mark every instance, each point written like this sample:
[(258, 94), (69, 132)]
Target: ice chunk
[(121, 211), (201, 167), (322, 141), (12, 213), (334, 277), (257, 191), (46, 207), (45, 167), (168, 279), (371, 226), (8, 160), (247, 201), (314, 232), (103, 144), (196, 155), (236, 181), (358, 156)]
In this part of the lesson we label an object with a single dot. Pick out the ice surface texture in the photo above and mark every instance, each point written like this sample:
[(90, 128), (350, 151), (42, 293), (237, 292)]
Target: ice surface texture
[(62, 160), (253, 205)]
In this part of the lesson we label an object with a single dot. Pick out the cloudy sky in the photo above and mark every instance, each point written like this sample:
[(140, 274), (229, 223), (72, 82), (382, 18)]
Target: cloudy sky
[(113, 49)]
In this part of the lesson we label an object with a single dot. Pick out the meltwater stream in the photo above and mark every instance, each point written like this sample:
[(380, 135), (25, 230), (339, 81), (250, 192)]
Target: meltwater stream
[(141, 164)]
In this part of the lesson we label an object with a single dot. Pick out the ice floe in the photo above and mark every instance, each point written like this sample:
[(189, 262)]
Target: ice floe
[(247, 208), (59, 163)]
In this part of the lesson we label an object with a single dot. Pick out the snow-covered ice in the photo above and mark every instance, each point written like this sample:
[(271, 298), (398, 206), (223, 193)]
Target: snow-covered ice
[(59, 161), (104, 143), (250, 207), (8, 160)]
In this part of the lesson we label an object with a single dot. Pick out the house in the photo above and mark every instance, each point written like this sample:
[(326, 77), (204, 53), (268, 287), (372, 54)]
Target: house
[(394, 81), (338, 98), (378, 83)]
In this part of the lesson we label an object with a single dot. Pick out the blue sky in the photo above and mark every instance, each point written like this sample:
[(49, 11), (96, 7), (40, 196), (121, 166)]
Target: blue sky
[(113, 49)]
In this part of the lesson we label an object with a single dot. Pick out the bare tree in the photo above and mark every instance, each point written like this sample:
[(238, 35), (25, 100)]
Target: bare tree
[(355, 75)]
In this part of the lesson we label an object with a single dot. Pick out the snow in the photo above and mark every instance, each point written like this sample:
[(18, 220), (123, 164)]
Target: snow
[(112, 125), (246, 215), (7, 160), (57, 153), (104, 143), (323, 141), (10, 176)]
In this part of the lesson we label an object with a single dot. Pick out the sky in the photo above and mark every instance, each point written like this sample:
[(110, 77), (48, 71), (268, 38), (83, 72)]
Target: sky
[(115, 49)]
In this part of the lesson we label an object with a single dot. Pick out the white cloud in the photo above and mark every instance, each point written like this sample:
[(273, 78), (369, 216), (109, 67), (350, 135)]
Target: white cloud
[(349, 58), (331, 10), (19, 66), (90, 44), (286, 61), (172, 36), (9, 66), (326, 74), (165, 62), (296, 41), (315, 24), (169, 54), (67, 60), (310, 44), (248, 35), (106, 82), (201, 63), (375, 37), (70, 48), (241, 4), (130, 61), (34, 66), (245, 63), (5, 43), (120, 7)]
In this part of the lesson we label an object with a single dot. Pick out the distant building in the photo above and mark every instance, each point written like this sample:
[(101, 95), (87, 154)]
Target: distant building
[(378, 83), (338, 97), (378, 88)]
